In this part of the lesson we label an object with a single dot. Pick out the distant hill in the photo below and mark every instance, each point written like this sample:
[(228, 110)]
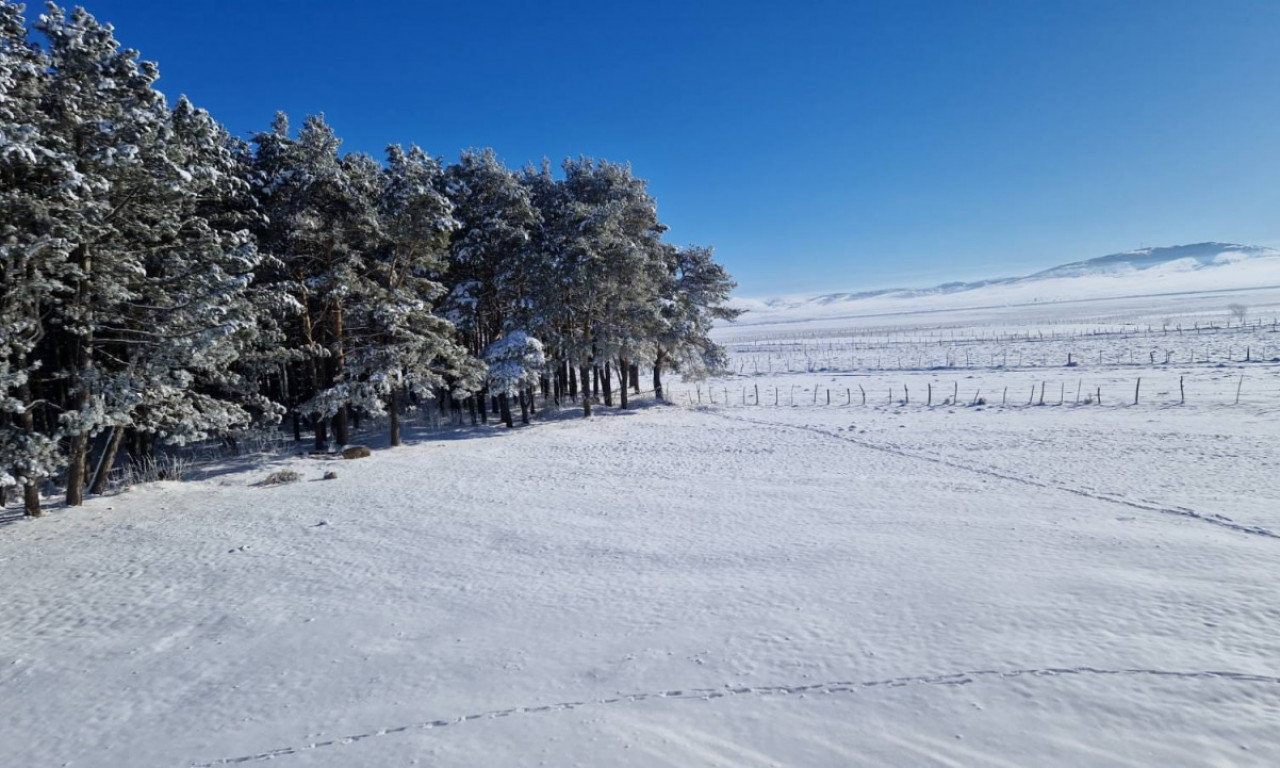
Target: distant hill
[(1168, 269), (1198, 256)]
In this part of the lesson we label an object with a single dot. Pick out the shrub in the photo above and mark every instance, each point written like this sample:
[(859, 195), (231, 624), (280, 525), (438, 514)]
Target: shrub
[(281, 478)]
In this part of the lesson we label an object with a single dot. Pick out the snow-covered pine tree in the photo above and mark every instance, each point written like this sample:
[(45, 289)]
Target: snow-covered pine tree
[(489, 275), (547, 318), (694, 294), (259, 379), (103, 110), (37, 183), (636, 273), (515, 363), (150, 312), (398, 345), (607, 272), (323, 223), (272, 176), (189, 317)]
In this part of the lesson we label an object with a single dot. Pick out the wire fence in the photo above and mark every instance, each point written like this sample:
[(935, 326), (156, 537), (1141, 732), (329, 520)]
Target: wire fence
[(1233, 389)]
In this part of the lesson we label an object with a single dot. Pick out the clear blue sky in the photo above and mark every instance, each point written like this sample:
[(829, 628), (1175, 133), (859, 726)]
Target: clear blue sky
[(817, 145)]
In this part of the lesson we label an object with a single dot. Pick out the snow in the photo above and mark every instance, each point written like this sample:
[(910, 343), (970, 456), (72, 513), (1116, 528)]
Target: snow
[(696, 585)]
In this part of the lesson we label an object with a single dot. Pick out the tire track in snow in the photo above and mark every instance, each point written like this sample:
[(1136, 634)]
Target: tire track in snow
[(1212, 519), (708, 694)]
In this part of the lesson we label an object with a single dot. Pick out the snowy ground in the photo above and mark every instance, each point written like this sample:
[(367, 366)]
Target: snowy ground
[(739, 585)]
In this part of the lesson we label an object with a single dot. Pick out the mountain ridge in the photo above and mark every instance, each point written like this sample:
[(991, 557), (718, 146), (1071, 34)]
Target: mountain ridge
[(1158, 261)]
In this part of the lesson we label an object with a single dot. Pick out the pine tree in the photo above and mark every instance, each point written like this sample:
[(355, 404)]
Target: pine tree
[(488, 270), (151, 314), (322, 212), (38, 182), (694, 296), (401, 345), (607, 271), (515, 362)]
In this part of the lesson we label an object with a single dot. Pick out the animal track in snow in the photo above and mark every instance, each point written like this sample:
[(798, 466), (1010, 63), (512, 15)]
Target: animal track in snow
[(1211, 518), (707, 694)]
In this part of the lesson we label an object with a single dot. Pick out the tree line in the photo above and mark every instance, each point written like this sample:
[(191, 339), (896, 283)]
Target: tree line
[(163, 280)]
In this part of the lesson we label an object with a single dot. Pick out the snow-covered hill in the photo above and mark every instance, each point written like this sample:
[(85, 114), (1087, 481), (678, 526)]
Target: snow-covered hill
[(1194, 268)]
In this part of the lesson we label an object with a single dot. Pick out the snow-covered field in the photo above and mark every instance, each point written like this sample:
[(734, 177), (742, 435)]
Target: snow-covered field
[(804, 584)]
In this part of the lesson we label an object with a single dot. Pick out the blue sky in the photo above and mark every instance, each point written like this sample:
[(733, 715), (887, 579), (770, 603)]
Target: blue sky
[(816, 145)]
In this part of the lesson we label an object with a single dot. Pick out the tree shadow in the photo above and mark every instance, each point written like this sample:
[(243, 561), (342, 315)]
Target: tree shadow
[(374, 434)]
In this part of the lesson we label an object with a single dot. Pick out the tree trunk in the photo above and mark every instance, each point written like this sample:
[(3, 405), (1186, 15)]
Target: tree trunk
[(297, 428), (595, 382), (573, 382), (31, 500), (606, 383), (634, 371), (322, 433), (624, 371), (526, 396), (471, 408), (504, 404), (481, 396), (340, 431), (585, 372), (27, 423), (393, 415), (108, 460), (77, 456), (657, 376)]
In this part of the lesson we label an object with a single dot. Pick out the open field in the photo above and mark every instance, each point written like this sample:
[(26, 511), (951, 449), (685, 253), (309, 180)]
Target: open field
[(888, 584)]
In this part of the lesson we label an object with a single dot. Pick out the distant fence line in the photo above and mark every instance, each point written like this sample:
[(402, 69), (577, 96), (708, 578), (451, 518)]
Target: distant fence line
[(1030, 394)]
